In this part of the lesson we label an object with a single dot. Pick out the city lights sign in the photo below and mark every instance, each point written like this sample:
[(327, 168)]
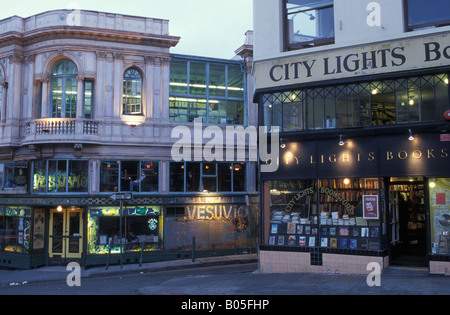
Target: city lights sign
[(360, 61)]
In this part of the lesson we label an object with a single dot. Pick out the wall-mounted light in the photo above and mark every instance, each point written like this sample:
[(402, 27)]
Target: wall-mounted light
[(282, 144), (346, 181), (59, 208), (411, 101), (341, 140), (432, 184), (411, 137)]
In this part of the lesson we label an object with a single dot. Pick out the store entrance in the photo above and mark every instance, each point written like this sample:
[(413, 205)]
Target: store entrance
[(65, 233), (407, 222)]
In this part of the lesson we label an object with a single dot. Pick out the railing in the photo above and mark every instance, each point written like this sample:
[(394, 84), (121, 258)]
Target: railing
[(62, 127)]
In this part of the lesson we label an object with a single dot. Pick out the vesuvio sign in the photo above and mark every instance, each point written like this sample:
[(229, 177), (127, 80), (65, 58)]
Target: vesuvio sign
[(358, 61), (383, 156)]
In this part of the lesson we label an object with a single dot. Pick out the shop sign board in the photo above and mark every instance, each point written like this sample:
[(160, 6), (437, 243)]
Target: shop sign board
[(399, 55)]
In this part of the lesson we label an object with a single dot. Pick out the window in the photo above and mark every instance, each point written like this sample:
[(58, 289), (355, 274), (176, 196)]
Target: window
[(88, 99), (207, 177), (309, 23), (135, 176), (432, 14), (15, 229), (327, 213), (1, 93), (132, 92), (141, 228), (211, 91), (376, 103), (13, 175), (64, 86), (440, 214), (60, 176)]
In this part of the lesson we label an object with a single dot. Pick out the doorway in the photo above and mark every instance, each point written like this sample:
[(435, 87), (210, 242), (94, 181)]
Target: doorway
[(66, 233), (407, 222)]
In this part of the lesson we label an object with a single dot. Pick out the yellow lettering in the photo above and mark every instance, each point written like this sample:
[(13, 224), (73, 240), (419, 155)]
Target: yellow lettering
[(332, 158), (371, 156), (402, 155), (417, 154), (430, 153), (389, 155), (444, 153)]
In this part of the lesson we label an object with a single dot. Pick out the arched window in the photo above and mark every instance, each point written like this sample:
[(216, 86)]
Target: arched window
[(132, 92), (64, 89)]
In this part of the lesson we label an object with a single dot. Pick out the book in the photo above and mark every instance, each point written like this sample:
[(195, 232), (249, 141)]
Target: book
[(302, 240), (353, 243), (299, 229), (344, 231), (272, 240), (291, 228), (274, 229), (343, 243), (365, 232), (332, 231), (307, 229), (324, 242), (312, 241), (291, 240), (281, 240), (333, 242), (374, 231)]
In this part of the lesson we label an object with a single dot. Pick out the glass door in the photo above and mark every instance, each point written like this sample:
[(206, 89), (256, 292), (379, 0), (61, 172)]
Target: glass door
[(66, 233)]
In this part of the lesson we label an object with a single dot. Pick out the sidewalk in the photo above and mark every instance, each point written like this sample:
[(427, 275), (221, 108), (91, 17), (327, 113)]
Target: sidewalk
[(51, 273)]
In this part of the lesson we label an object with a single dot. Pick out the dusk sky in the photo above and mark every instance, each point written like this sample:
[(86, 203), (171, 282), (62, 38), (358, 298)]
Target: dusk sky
[(210, 28)]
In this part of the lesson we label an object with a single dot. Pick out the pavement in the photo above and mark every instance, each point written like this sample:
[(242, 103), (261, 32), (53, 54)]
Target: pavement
[(393, 280)]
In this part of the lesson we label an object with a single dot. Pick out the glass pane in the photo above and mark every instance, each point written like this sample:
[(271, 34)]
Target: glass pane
[(57, 176), (434, 11), (74, 230), (235, 82), (149, 176), (217, 84), (193, 176), (58, 230), (129, 171), (176, 177), (442, 94), (132, 92), (239, 177), (197, 78), (88, 98), (439, 214), (224, 174), (40, 176), (78, 180), (109, 176), (178, 77)]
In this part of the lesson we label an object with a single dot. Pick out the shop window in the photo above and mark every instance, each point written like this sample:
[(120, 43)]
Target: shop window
[(60, 176), (211, 91), (135, 176), (140, 228), (376, 103), (341, 214), (309, 23), (440, 215), (175, 211), (132, 92), (207, 177), (64, 87), (13, 175), (15, 229), (434, 13)]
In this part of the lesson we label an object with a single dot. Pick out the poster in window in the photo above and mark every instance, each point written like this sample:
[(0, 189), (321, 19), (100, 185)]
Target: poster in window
[(370, 207)]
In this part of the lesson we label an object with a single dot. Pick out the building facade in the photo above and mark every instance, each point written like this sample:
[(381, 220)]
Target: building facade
[(88, 104), (358, 92)]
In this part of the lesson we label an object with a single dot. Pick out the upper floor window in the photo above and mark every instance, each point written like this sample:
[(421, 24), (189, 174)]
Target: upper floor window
[(433, 13), (375, 103), (309, 23), (64, 86), (207, 90), (207, 177), (132, 92), (136, 176)]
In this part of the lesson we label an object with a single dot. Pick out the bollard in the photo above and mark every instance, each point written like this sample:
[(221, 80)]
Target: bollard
[(193, 249), (109, 254), (142, 253)]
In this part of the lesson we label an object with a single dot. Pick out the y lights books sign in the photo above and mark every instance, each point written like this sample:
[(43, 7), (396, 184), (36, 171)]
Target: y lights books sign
[(370, 207)]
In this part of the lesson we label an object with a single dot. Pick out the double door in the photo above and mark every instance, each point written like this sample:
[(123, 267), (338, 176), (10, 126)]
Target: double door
[(66, 233)]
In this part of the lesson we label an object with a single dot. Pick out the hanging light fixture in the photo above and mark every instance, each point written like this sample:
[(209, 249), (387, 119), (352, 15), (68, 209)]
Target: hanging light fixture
[(341, 140), (411, 137)]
